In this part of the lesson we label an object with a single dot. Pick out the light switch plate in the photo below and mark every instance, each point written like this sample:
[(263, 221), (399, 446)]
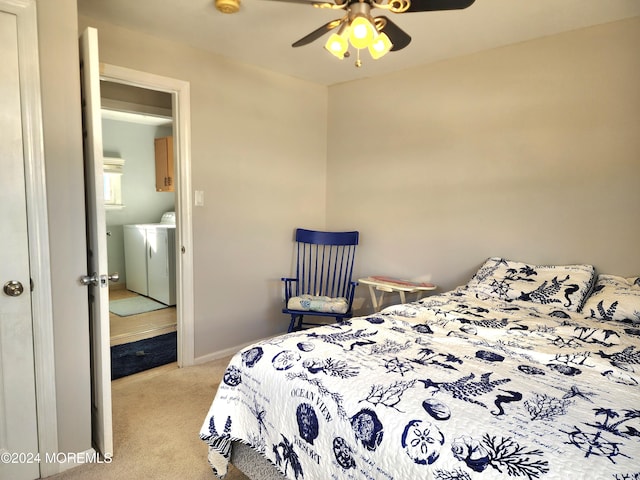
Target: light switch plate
[(199, 200)]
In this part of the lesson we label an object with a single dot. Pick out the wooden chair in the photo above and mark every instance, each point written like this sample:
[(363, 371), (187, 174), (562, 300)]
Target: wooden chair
[(323, 284)]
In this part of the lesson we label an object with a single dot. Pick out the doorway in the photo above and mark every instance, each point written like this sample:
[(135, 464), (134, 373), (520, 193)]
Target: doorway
[(92, 73), (137, 128), (152, 88)]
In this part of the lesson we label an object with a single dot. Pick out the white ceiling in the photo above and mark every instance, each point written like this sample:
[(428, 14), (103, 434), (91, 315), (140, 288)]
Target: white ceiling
[(262, 32)]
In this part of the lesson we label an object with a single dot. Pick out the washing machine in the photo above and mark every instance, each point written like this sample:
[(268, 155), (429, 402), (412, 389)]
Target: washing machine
[(150, 259)]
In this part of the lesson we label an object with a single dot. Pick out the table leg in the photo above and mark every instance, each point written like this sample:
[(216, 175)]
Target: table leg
[(374, 300)]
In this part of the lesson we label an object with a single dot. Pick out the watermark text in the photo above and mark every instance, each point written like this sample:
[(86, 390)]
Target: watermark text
[(54, 457)]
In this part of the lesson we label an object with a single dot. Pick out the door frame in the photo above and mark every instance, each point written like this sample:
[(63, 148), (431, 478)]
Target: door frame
[(38, 227), (181, 111)]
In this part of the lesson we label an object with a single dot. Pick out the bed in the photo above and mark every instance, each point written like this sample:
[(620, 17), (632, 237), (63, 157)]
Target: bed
[(525, 372)]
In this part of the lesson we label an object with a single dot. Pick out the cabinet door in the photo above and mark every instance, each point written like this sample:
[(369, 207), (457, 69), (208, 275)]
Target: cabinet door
[(135, 258), (164, 164)]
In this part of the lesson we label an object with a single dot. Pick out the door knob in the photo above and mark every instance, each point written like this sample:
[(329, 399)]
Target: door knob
[(96, 279), (90, 280), (13, 288)]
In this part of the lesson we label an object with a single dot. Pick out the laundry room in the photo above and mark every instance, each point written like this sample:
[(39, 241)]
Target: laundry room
[(139, 197)]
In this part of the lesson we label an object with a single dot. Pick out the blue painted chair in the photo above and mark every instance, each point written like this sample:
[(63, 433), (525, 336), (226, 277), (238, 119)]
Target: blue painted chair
[(322, 286)]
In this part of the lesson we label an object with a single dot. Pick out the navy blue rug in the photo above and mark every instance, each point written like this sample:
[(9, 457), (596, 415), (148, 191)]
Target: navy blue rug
[(134, 357)]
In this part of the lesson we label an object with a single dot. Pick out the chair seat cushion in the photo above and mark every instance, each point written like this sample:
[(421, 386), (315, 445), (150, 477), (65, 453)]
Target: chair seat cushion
[(311, 303)]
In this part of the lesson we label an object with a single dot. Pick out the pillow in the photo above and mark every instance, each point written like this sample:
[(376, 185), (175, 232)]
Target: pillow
[(562, 285), (615, 298), (318, 304)]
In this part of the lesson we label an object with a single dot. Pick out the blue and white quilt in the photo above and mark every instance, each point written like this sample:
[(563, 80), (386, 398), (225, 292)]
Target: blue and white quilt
[(461, 385)]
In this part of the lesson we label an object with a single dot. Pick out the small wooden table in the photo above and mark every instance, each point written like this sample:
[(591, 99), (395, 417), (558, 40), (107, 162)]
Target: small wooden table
[(389, 284)]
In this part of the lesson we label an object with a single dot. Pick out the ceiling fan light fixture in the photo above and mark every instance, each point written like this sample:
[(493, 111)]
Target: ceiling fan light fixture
[(380, 46), (337, 45), (362, 32)]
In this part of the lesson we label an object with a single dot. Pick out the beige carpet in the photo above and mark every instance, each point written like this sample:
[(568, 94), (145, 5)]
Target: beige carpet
[(157, 417)]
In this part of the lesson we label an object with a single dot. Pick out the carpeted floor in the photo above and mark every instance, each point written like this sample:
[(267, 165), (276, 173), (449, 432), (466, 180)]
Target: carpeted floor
[(157, 417)]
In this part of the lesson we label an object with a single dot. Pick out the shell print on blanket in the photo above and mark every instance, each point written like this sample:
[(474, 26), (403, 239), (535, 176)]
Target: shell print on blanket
[(455, 386)]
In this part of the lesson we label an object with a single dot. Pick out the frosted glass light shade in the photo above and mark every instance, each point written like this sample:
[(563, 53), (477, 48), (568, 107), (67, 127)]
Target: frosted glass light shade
[(362, 32), (337, 45), (380, 46)]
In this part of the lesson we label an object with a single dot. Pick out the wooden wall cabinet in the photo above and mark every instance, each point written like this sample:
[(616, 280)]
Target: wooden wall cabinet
[(165, 178)]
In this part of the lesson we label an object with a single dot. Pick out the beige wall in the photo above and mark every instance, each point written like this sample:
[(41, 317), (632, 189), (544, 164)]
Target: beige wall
[(531, 152), (60, 80), (258, 143)]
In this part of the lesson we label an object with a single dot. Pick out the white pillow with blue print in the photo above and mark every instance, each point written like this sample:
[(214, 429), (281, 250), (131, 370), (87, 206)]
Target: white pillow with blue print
[(615, 298), (565, 286)]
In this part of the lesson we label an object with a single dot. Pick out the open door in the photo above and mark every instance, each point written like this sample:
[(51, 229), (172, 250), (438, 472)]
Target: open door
[(97, 278), (93, 72)]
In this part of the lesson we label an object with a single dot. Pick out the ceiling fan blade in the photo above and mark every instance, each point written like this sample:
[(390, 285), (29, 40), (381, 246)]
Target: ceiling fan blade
[(434, 5), (316, 34), (398, 37)]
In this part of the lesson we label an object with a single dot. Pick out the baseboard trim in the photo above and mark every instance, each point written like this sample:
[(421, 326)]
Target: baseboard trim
[(227, 352)]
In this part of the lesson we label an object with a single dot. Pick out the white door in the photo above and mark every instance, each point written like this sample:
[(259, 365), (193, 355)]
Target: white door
[(96, 245), (18, 422)]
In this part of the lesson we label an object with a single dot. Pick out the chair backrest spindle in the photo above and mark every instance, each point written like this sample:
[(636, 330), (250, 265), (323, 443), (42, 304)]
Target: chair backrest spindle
[(325, 262)]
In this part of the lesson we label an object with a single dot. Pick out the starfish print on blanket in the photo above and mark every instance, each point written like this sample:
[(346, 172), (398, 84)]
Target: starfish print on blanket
[(465, 389)]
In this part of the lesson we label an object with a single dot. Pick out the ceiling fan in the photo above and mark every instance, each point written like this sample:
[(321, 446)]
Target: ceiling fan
[(361, 29)]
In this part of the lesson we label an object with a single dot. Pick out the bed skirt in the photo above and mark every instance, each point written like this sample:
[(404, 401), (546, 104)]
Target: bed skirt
[(252, 464)]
